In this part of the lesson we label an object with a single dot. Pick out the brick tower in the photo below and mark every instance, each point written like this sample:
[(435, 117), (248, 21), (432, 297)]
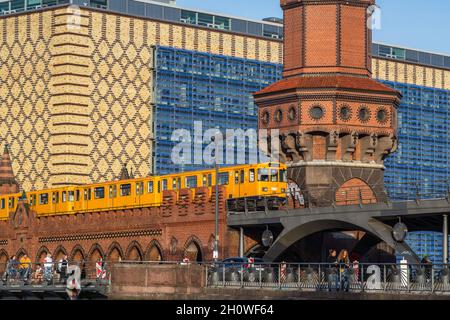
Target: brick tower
[(336, 123), (8, 183)]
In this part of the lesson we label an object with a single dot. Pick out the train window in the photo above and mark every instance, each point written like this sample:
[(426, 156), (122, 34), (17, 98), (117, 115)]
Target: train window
[(125, 190), (99, 193), (2, 204), (64, 196), (77, 195), (159, 186), (31, 200), (251, 176), (191, 182), (283, 175), (71, 196), (242, 176), (207, 180), (164, 184), (224, 178), (273, 175), (150, 187), (11, 203), (263, 175), (236, 177), (43, 198), (139, 188), (55, 197)]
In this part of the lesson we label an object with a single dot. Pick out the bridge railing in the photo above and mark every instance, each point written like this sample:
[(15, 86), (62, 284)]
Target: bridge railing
[(54, 274), (356, 277)]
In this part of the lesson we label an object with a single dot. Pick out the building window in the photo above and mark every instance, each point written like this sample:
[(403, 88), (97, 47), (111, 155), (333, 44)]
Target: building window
[(345, 113), (265, 117), (189, 17), (364, 114), (292, 113), (382, 115), (278, 115), (316, 112)]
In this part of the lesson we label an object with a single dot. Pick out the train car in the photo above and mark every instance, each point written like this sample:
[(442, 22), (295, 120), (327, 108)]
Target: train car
[(249, 187)]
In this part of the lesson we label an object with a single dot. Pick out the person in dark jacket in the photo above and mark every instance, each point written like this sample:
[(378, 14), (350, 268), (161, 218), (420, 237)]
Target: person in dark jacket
[(333, 281)]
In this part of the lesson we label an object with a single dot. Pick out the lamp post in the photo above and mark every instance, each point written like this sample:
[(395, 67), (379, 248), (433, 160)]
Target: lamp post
[(216, 232)]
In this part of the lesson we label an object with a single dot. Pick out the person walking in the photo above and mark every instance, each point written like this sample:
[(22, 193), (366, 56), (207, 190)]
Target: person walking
[(344, 265), (333, 282)]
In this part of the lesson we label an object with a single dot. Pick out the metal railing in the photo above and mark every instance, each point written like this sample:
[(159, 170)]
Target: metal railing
[(358, 277), (53, 274)]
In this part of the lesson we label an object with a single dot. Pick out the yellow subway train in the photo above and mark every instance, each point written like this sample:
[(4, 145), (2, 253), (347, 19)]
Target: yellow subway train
[(248, 186)]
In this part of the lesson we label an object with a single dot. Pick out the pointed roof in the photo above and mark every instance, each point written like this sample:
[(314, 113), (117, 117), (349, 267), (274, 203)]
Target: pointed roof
[(6, 171), (124, 175)]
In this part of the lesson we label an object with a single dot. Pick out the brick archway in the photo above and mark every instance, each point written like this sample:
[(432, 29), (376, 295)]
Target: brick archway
[(20, 253), (134, 252), (355, 191), (154, 251), (193, 249), (59, 253), (78, 254), (3, 261), (41, 254), (115, 252), (96, 253)]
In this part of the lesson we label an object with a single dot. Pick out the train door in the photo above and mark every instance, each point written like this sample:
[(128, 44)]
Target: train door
[(139, 192), (86, 198)]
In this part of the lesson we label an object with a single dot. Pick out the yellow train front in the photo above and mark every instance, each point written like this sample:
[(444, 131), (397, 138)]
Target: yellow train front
[(249, 187)]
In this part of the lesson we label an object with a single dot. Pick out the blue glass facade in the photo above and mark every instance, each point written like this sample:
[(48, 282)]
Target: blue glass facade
[(214, 89), (421, 166)]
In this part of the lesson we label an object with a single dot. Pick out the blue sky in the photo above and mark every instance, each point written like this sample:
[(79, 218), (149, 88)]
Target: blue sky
[(418, 24)]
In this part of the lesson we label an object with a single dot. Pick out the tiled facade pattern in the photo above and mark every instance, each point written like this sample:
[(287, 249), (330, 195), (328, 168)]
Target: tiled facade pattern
[(76, 90)]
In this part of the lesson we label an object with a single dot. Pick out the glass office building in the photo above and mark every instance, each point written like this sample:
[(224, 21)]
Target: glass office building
[(213, 89)]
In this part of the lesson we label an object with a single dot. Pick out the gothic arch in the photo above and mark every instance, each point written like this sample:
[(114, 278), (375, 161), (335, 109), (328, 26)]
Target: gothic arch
[(78, 254), (115, 252), (95, 253), (3, 260), (134, 252), (59, 253), (355, 191), (21, 253), (193, 249), (41, 254), (154, 251)]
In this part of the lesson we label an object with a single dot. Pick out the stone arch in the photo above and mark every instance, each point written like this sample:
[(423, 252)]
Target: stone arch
[(78, 254), (298, 229), (193, 249), (134, 252), (154, 251), (3, 260), (96, 253), (355, 191), (59, 253), (115, 252), (41, 254)]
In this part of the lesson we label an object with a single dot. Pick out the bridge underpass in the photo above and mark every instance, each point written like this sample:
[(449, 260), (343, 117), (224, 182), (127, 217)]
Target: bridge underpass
[(376, 220)]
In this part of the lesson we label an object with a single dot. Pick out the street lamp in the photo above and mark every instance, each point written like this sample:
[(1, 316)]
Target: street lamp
[(216, 233)]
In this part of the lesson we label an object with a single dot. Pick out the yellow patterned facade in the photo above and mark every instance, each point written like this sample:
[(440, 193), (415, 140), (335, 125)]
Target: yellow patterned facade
[(411, 73), (76, 90)]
